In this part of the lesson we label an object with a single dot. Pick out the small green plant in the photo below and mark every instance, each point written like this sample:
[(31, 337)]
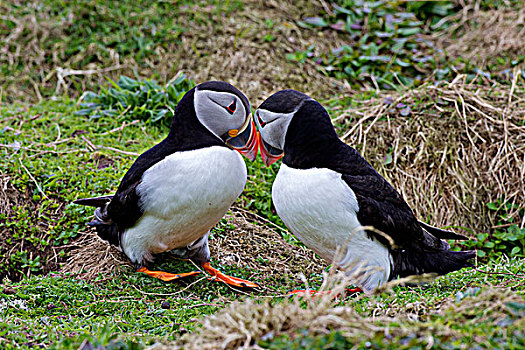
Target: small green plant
[(301, 56), (507, 238), (387, 45), (137, 99), (269, 26)]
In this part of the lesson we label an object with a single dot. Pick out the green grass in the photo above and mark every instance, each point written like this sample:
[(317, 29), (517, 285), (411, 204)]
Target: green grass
[(58, 150), (61, 306), (49, 151), (59, 309), (61, 150)]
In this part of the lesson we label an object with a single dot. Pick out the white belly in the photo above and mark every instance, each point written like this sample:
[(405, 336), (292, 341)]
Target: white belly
[(320, 209), (183, 196)]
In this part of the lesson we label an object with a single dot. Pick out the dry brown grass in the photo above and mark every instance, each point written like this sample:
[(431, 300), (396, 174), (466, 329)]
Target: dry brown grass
[(228, 47), (242, 324), (462, 147), (89, 256), (260, 68), (483, 36), (250, 243), (254, 244)]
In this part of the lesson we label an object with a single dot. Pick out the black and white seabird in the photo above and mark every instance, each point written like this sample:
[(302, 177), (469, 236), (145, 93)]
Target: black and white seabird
[(325, 192), (178, 190)]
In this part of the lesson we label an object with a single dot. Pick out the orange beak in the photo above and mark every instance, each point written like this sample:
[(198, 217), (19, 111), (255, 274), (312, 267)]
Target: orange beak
[(269, 154), (245, 140)]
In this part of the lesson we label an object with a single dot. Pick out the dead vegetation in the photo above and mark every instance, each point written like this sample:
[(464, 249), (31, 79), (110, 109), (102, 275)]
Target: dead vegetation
[(460, 147), (481, 36), (249, 244), (225, 47), (242, 325), (89, 256), (254, 244)]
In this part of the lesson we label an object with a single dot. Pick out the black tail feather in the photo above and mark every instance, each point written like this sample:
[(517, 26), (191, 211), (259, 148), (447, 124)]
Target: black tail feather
[(442, 234), (107, 231), (105, 227), (413, 262), (94, 201)]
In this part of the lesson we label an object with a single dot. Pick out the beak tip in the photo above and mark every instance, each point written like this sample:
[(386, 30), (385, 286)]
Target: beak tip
[(251, 147)]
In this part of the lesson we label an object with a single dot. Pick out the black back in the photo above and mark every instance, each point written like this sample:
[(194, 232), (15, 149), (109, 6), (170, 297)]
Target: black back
[(311, 142), (284, 101)]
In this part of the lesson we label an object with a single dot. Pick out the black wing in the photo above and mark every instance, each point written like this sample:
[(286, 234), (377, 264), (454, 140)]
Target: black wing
[(122, 210), (381, 206)]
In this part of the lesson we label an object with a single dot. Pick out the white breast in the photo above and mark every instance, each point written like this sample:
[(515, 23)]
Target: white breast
[(184, 196), (320, 209)]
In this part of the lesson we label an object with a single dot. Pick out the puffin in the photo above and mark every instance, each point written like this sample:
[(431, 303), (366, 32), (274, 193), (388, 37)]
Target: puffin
[(339, 206), (176, 191)]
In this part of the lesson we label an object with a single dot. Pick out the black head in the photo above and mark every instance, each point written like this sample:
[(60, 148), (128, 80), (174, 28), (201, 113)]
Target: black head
[(222, 86), (293, 124), (220, 111)]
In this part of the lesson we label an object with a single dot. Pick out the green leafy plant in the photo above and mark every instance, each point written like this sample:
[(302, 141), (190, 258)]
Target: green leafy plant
[(136, 99), (387, 45), (507, 238)]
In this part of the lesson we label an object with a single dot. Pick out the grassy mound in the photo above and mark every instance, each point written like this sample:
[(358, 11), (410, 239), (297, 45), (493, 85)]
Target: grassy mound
[(492, 318), (451, 149)]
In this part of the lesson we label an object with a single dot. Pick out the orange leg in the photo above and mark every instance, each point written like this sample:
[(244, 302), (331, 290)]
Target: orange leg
[(313, 293), (166, 276), (221, 277), (354, 290)]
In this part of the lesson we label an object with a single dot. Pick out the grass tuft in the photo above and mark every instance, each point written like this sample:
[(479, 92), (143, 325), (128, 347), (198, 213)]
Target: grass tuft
[(450, 149)]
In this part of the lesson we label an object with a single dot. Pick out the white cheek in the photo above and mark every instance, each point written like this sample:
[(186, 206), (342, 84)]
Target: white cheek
[(236, 121), (214, 117), (275, 132)]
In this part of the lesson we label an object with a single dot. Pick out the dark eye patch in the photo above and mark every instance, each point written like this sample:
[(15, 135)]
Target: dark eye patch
[(261, 122), (232, 107)]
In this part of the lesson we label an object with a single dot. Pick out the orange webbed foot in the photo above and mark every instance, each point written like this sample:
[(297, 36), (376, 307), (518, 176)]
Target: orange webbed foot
[(232, 281), (354, 290), (167, 276)]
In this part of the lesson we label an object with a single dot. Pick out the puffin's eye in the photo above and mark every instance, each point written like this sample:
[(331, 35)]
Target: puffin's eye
[(231, 108), (261, 122)]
